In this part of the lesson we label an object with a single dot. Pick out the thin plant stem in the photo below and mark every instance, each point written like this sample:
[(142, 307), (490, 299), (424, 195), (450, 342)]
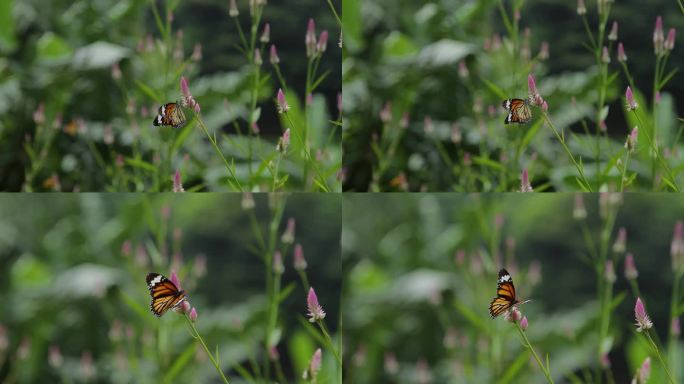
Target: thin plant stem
[(197, 336), (328, 339), (561, 139), (654, 147), (212, 139), (660, 358), (527, 344)]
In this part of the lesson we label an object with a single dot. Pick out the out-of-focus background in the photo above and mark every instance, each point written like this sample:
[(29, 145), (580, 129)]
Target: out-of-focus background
[(76, 305), (424, 82), (420, 272), (81, 82)]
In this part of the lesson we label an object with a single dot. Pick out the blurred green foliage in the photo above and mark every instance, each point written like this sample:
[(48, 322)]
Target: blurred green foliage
[(420, 272), (94, 131), (444, 131), (72, 279)]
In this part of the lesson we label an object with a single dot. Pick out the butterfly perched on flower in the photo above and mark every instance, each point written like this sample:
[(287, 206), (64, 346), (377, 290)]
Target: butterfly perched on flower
[(165, 294), (518, 111), (170, 114), (505, 295)]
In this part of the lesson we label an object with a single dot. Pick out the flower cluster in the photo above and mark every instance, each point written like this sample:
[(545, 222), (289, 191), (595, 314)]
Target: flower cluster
[(188, 101), (533, 94)]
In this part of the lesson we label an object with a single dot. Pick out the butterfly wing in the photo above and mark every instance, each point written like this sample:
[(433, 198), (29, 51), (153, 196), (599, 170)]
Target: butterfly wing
[(505, 295), (170, 114), (518, 111), (165, 294)]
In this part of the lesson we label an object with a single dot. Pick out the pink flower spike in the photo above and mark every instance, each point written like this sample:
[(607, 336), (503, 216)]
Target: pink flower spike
[(581, 9), (322, 42), (531, 85), (642, 320), (266, 34), (257, 57), (174, 279), (523, 323), (657, 97), (299, 260), (525, 185), (274, 55), (620, 244), (463, 69), (610, 272), (278, 267), (545, 106), (289, 234), (605, 361), (316, 312), (621, 57), (184, 87), (658, 36), (669, 43), (605, 56), (645, 370), (282, 103), (631, 272), (193, 314), (613, 32), (631, 142), (314, 367), (631, 103), (233, 9), (177, 185), (310, 39)]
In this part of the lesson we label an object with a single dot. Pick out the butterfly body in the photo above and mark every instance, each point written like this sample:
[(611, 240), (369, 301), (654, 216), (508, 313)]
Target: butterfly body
[(518, 111), (165, 294), (505, 295), (170, 114)]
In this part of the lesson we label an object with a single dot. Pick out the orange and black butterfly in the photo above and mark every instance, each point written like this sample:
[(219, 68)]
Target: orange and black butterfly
[(518, 111), (505, 295), (170, 114), (165, 294)]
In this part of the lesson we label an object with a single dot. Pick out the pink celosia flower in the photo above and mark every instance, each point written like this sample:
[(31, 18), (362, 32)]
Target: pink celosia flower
[(247, 201), (463, 69), (579, 212), (621, 241), (525, 185), (428, 126), (177, 185), (391, 364), (316, 312), (658, 36), (645, 371), (669, 43), (55, 357), (322, 42), (299, 261), (257, 57), (266, 34), (605, 56), (314, 366), (233, 9), (188, 101), (621, 53), (87, 367), (523, 323), (613, 32), (675, 327), (284, 141), (174, 279), (605, 361), (193, 314), (386, 112), (534, 96), (274, 55), (631, 103), (642, 320), (631, 272), (544, 50), (310, 39), (278, 267), (289, 233), (197, 52), (631, 142), (581, 9), (282, 102)]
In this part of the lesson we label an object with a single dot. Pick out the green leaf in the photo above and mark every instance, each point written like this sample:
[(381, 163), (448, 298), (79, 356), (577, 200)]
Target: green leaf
[(98, 55), (7, 38), (149, 91), (487, 162), (141, 164), (515, 367), (396, 45), (52, 48), (495, 89)]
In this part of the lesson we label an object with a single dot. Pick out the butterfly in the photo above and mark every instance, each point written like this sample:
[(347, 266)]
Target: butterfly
[(505, 295), (518, 111), (165, 294), (170, 114)]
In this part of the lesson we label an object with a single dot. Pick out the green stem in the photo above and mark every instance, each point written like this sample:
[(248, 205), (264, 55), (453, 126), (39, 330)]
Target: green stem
[(527, 344), (197, 336), (660, 358), (654, 147), (567, 150), (329, 341), (212, 139)]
